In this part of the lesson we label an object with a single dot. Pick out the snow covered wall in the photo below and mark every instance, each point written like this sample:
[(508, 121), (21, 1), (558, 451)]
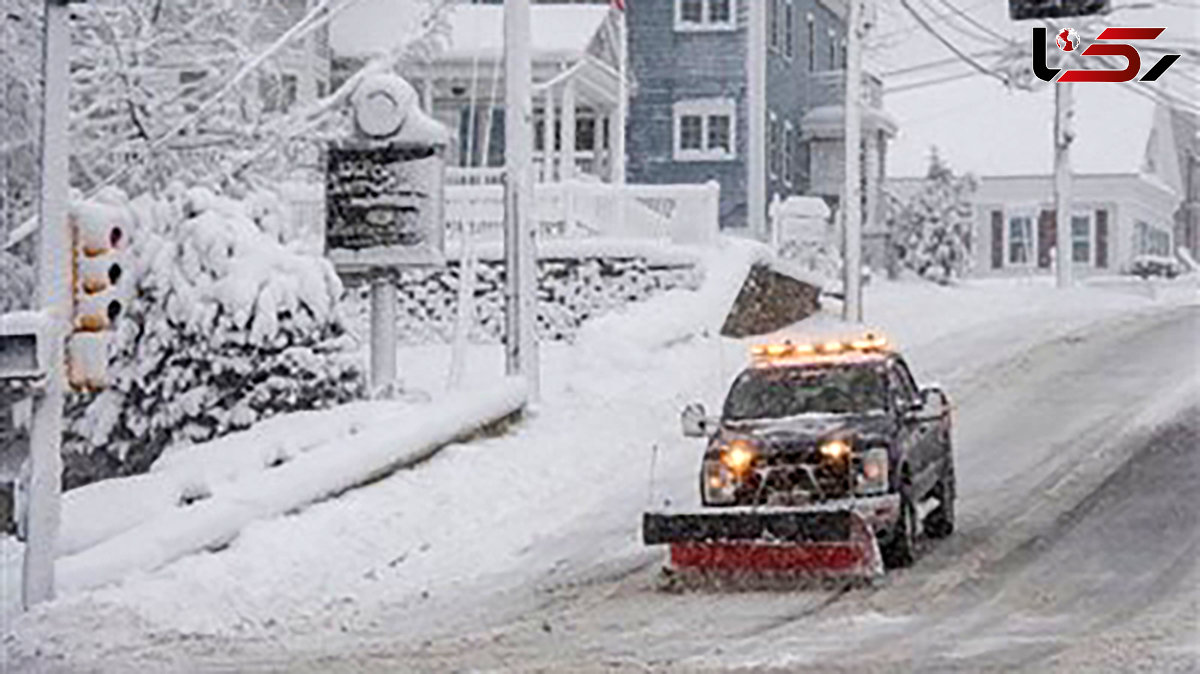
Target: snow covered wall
[(228, 322), (577, 281)]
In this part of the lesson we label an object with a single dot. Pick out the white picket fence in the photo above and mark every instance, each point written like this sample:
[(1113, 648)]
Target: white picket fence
[(686, 214), (678, 213)]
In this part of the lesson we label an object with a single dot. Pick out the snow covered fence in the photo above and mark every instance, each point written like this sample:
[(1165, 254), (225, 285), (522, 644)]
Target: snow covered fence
[(217, 513), (578, 280)]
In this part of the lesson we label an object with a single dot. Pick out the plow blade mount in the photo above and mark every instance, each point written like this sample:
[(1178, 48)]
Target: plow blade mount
[(837, 543)]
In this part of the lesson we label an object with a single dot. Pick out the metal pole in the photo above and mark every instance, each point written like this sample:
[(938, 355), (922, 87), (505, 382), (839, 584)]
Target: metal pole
[(383, 332), (851, 192), (54, 298), (520, 257), (1063, 135)]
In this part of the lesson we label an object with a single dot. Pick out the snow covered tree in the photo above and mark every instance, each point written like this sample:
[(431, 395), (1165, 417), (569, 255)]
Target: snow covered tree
[(932, 229), (228, 323)]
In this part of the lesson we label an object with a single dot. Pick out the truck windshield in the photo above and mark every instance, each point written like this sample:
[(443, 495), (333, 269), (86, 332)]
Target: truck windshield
[(772, 393)]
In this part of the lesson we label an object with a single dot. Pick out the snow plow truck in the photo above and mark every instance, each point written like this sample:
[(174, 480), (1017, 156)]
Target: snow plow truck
[(827, 460)]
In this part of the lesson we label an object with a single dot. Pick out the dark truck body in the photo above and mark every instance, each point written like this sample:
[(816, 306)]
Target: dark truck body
[(804, 484)]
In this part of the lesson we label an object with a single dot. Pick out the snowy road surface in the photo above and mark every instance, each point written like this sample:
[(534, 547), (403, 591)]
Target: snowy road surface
[(1060, 564), (1055, 567)]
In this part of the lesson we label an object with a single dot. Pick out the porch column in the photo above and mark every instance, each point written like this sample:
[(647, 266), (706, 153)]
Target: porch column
[(598, 163), (427, 96), (548, 137), (567, 168)]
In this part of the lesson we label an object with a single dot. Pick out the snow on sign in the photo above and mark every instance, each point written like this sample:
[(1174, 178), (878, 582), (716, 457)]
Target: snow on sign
[(385, 206)]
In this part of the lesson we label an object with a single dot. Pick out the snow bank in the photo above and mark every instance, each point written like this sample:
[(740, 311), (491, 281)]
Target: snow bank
[(217, 517)]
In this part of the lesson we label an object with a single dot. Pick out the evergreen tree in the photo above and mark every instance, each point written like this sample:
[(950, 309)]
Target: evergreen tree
[(932, 230)]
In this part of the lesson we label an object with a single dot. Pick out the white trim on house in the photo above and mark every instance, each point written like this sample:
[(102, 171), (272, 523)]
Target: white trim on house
[(789, 139), (1023, 212), (703, 111), (706, 23)]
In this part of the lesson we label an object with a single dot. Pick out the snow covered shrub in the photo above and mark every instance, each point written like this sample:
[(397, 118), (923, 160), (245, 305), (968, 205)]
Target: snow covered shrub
[(932, 229), (226, 325), (16, 283)]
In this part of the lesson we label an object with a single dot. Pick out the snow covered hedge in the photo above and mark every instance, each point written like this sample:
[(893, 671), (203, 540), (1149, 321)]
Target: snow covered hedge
[(16, 283), (227, 322)]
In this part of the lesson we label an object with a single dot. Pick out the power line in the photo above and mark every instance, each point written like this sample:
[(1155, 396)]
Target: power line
[(929, 83), (987, 30), (938, 63), (936, 18), (950, 45)]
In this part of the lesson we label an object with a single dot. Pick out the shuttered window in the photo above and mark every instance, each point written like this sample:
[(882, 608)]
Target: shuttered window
[(997, 239), (1102, 239)]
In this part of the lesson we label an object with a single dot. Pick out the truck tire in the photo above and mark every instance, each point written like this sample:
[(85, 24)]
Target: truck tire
[(901, 547), (940, 522)]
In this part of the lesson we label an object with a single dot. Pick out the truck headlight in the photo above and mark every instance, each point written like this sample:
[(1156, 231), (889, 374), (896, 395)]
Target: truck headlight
[(835, 450), (738, 456), (720, 483), (873, 478)]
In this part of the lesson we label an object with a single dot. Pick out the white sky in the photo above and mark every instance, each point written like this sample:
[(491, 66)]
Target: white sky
[(980, 126), (976, 123)]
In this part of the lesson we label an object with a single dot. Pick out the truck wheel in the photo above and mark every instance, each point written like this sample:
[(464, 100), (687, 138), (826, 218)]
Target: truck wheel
[(940, 522), (900, 550)]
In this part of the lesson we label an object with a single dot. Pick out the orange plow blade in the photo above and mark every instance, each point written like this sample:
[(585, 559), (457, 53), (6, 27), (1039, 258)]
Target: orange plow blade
[(821, 544)]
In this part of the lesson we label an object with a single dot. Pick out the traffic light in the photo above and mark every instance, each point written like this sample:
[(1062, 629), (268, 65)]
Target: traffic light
[(99, 232), (1054, 9)]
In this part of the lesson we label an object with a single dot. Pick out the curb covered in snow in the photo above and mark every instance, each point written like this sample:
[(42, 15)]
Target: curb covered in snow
[(304, 480)]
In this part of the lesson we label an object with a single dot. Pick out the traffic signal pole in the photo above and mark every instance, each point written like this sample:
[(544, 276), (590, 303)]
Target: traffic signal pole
[(54, 299), (852, 309)]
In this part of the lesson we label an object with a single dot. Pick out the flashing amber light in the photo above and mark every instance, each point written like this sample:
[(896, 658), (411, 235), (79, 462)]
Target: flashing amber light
[(738, 457), (835, 449), (868, 342)]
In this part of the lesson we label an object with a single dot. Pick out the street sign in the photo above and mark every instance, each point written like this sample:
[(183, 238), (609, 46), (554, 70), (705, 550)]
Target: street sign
[(1054, 9), (24, 346), (385, 205)]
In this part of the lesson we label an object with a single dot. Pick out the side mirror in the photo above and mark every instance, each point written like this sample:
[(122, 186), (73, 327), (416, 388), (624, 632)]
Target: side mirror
[(694, 421)]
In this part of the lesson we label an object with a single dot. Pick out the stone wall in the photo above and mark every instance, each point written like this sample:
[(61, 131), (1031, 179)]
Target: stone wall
[(570, 291)]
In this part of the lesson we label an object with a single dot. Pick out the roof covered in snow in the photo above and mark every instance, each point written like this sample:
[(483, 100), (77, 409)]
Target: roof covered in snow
[(562, 31)]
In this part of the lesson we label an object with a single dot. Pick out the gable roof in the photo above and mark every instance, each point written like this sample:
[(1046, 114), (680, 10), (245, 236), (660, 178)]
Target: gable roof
[(476, 31)]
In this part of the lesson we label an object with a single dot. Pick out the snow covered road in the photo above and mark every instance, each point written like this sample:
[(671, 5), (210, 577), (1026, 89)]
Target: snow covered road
[(1038, 430), (1059, 564)]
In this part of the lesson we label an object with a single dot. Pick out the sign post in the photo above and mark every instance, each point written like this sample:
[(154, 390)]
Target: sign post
[(54, 298), (385, 204), (520, 256)]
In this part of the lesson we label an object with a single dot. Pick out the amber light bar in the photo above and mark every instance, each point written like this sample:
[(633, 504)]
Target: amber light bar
[(870, 341)]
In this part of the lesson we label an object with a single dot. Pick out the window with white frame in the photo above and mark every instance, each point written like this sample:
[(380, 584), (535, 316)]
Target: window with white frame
[(832, 50), (786, 151), (1081, 238), (705, 14), (1020, 239), (704, 129), (789, 29)]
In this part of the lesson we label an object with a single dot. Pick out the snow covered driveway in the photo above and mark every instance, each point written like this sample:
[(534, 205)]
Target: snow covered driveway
[(523, 550)]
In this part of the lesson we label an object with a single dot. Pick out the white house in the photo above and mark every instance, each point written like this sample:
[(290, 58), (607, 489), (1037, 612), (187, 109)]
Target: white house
[(1125, 190)]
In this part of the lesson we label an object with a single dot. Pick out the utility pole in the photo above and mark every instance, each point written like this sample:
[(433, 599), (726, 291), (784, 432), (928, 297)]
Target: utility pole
[(1063, 135), (54, 298), (852, 309), (520, 253)]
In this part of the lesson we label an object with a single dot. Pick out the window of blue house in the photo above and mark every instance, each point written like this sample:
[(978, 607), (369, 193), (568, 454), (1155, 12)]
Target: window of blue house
[(812, 43), (789, 30), (704, 129), (704, 14)]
